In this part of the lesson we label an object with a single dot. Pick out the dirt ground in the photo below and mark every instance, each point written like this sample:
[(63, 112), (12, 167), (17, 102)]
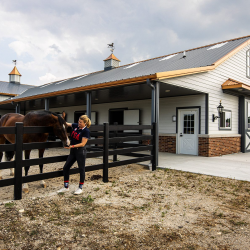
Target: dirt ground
[(136, 209)]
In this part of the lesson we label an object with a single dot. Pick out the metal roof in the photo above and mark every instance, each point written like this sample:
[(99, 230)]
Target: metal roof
[(194, 58), (10, 88)]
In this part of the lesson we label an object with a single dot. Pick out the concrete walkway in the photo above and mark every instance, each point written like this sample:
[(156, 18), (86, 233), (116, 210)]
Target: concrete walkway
[(235, 166)]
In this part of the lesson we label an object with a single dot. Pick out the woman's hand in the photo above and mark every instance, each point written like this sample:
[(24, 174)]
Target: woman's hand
[(69, 147)]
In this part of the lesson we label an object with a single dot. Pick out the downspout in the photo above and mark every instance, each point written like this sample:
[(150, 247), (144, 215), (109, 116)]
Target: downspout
[(152, 100)]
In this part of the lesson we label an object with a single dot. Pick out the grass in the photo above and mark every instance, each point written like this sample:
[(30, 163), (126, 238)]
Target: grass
[(87, 199), (9, 205)]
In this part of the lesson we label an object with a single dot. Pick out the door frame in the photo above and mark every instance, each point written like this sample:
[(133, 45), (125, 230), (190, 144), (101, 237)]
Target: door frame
[(198, 108)]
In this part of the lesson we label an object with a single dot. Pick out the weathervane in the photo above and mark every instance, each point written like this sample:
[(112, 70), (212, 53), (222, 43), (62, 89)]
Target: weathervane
[(14, 61), (111, 47)]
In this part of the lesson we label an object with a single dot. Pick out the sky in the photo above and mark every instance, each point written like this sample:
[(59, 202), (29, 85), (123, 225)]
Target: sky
[(54, 40)]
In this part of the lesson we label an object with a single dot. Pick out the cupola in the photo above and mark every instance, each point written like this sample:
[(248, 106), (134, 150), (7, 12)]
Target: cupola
[(112, 61), (15, 76)]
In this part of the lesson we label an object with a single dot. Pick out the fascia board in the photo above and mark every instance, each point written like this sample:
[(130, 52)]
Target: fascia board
[(183, 72)]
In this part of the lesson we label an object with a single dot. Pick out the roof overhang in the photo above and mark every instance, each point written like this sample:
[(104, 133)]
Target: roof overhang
[(8, 94), (235, 87), (84, 89), (156, 76)]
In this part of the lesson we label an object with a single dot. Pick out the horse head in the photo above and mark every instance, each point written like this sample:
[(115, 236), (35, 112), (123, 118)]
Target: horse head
[(60, 129)]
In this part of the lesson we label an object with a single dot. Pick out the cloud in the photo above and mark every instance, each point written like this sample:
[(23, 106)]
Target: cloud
[(51, 38), (48, 77)]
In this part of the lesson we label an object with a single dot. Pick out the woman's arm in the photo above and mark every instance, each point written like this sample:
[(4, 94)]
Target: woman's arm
[(79, 145), (69, 124)]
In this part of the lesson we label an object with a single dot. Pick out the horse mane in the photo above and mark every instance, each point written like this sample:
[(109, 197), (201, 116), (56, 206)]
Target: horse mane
[(47, 112)]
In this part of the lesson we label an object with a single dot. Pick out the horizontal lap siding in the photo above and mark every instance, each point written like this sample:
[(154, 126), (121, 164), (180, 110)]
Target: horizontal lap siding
[(167, 110), (210, 83)]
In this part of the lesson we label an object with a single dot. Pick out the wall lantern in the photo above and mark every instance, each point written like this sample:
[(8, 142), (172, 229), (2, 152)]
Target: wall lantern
[(220, 110), (174, 118)]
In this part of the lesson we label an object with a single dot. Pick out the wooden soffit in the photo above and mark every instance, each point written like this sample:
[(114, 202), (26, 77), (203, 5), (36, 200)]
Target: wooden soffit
[(233, 84)]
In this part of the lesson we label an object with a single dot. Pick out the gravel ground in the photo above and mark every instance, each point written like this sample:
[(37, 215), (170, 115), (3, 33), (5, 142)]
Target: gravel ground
[(136, 209)]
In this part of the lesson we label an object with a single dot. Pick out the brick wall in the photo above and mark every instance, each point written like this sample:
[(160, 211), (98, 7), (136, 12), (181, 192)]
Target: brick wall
[(167, 144), (207, 146), (219, 146)]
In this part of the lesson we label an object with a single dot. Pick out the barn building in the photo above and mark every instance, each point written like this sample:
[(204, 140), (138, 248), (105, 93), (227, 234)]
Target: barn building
[(12, 88), (200, 98)]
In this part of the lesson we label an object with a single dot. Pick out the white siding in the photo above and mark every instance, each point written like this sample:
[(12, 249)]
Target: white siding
[(210, 82), (167, 110), (4, 97)]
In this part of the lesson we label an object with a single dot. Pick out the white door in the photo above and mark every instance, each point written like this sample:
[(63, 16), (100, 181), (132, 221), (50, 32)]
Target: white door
[(132, 117), (187, 136)]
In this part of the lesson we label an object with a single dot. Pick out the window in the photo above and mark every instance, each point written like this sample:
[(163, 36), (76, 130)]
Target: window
[(248, 63), (188, 126), (226, 119)]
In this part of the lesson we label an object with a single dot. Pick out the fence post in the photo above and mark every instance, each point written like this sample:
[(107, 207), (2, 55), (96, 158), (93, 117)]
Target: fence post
[(115, 146), (154, 141), (105, 152), (18, 162)]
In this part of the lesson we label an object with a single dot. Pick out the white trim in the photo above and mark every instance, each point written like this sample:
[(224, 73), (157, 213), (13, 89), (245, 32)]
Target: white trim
[(219, 135)]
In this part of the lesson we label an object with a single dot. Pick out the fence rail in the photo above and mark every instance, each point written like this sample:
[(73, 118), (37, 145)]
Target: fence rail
[(111, 143)]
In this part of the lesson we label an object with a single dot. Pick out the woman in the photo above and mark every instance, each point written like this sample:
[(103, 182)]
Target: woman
[(79, 137)]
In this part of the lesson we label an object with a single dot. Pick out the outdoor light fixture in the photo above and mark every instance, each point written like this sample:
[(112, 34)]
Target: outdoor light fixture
[(220, 110), (174, 118)]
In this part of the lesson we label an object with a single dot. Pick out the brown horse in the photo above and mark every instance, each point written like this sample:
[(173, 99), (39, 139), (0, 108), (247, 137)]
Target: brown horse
[(35, 118)]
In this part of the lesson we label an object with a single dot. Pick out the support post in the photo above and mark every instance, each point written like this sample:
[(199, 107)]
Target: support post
[(88, 104), (154, 152), (18, 162), (242, 123), (46, 104), (105, 152), (157, 104), (115, 146), (18, 109)]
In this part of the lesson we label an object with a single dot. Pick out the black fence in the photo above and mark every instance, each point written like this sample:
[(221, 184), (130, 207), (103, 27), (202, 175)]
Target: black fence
[(108, 140)]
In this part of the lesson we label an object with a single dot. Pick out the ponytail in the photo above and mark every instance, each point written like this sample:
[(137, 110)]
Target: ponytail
[(86, 120)]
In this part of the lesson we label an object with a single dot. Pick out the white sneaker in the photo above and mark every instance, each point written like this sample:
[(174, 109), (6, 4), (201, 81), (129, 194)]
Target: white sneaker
[(78, 191), (62, 190)]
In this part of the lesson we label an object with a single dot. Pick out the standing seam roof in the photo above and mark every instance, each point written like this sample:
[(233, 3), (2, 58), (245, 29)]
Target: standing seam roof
[(195, 58)]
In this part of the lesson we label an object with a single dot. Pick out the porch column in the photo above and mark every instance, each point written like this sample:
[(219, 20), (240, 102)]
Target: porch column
[(157, 104), (46, 104), (155, 111), (18, 110), (242, 123), (88, 104)]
